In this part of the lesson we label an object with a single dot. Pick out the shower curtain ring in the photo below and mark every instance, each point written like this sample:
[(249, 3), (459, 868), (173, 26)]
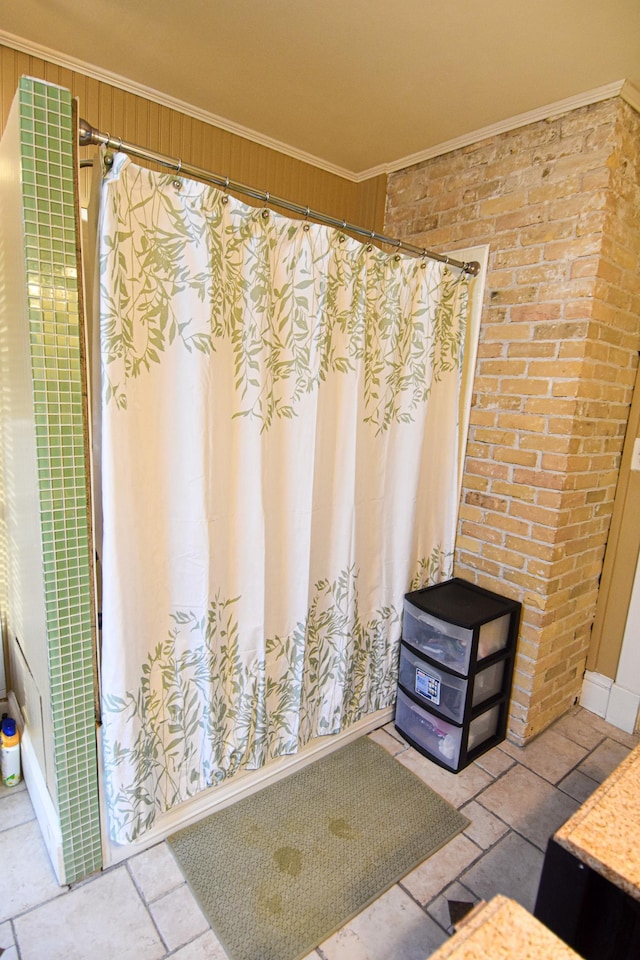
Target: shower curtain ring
[(265, 212), (225, 196), (178, 183), (306, 224), (107, 160)]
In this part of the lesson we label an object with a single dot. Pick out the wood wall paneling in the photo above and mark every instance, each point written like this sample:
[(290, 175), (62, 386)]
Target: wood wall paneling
[(168, 131)]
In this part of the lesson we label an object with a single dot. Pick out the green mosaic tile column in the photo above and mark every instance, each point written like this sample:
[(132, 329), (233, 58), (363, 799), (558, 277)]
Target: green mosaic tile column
[(46, 147)]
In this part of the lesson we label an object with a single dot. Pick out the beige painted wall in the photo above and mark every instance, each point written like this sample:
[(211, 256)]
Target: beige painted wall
[(621, 559)]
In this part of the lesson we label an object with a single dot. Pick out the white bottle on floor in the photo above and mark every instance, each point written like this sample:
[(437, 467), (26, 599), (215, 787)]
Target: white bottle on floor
[(10, 753)]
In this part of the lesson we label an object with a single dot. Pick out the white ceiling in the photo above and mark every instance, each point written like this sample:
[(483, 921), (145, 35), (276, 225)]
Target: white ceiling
[(358, 85)]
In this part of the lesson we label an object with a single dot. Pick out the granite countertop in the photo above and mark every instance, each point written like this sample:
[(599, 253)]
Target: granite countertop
[(604, 833), (502, 929)]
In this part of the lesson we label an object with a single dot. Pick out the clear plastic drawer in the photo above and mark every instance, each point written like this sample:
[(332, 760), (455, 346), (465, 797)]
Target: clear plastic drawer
[(493, 636), (444, 642), (448, 643), (487, 683), (440, 739), (444, 691), (483, 727), (437, 737)]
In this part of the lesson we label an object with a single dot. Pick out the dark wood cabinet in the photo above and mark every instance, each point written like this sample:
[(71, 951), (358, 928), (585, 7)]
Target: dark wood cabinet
[(596, 918)]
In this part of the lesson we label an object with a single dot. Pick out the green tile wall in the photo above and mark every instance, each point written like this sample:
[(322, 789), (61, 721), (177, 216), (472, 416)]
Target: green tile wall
[(46, 139)]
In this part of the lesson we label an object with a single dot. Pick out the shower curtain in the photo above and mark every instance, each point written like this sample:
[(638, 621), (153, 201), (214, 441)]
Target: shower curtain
[(279, 466)]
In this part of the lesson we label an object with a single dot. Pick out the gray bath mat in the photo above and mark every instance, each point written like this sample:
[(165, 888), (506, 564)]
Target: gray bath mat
[(280, 871)]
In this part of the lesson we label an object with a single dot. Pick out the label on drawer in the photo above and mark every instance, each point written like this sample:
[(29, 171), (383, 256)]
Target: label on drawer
[(428, 687)]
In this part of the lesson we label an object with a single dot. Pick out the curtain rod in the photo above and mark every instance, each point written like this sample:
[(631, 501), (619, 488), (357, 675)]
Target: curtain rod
[(89, 135)]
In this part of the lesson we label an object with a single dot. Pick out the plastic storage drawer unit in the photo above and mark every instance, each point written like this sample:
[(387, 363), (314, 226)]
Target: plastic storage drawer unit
[(456, 663)]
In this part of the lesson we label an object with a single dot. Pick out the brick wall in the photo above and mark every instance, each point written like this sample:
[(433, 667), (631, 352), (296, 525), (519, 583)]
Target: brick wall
[(558, 203)]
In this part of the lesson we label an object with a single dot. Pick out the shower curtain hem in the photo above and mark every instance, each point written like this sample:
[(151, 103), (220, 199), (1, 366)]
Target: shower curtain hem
[(243, 785)]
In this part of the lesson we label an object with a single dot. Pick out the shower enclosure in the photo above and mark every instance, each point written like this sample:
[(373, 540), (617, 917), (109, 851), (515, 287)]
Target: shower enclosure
[(48, 585)]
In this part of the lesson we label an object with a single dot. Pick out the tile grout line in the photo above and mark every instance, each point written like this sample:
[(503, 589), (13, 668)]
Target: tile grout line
[(194, 939), (146, 905), (510, 829), (14, 934)]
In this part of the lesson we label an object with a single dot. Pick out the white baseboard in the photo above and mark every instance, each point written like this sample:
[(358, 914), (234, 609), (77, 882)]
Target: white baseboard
[(45, 811), (242, 785), (607, 699), (622, 710), (595, 693)]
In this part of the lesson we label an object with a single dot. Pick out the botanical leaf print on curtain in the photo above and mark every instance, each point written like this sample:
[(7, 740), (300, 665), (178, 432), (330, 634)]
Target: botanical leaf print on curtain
[(279, 463)]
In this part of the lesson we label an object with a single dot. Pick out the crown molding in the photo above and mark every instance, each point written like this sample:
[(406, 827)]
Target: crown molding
[(165, 100), (620, 88)]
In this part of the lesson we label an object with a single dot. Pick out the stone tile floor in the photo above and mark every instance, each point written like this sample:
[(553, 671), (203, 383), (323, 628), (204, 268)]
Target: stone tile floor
[(515, 798)]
